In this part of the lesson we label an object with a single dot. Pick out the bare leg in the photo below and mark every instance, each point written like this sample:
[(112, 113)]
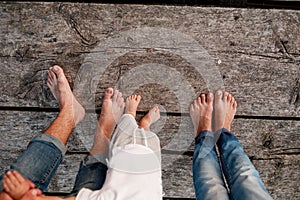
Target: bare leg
[(71, 112), (151, 117), (201, 113), (225, 109), (132, 103), (112, 109)]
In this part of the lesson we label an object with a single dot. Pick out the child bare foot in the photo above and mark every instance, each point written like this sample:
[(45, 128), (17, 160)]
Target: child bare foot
[(132, 103), (5, 196), (15, 185), (225, 109), (151, 117), (34, 194), (60, 88), (112, 109), (201, 113)]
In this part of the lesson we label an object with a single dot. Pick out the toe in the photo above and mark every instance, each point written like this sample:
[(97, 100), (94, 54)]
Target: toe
[(218, 95), (235, 105), (57, 70), (108, 93), (226, 95), (229, 98), (203, 98), (138, 98), (192, 107), (232, 100), (210, 98), (51, 75), (197, 101)]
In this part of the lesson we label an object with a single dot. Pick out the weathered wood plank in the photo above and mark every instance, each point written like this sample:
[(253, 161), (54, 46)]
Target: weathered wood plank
[(277, 174), (260, 138), (255, 52), (272, 145)]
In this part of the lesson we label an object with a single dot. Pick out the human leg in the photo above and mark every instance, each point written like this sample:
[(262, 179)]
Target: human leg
[(242, 177), (45, 152), (93, 168), (207, 175)]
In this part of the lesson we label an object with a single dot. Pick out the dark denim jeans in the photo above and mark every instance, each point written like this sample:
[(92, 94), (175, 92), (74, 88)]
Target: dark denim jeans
[(42, 157)]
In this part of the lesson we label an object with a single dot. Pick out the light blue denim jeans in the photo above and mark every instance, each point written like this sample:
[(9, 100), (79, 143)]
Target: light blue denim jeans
[(43, 156), (242, 178)]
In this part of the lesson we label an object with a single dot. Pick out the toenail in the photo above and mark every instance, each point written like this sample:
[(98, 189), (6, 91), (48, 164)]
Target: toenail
[(109, 91), (219, 92)]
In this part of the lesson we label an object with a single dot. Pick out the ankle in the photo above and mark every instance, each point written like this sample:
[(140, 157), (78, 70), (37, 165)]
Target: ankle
[(228, 127), (131, 113), (145, 125)]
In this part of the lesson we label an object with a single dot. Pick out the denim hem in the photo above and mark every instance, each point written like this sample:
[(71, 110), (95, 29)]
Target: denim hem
[(91, 159), (201, 135), (51, 139)]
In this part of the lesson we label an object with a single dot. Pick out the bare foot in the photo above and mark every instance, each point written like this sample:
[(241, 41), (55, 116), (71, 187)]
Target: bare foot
[(5, 196), (225, 109), (15, 185), (151, 117), (132, 103), (111, 111), (201, 113), (61, 90), (34, 194)]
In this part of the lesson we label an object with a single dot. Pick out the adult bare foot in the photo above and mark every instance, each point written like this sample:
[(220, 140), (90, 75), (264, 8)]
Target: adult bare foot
[(225, 109), (151, 117), (132, 103), (61, 90), (201, 113), (111, 111)]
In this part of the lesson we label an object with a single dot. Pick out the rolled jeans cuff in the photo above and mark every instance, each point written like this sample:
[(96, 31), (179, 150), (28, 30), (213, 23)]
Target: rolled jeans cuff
[(91, 159), (40, 160), (51, 139), (202, 135)]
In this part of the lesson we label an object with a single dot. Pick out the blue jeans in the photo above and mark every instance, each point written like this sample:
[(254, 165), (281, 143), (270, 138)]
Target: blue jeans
[(42, 157), (233, 164)]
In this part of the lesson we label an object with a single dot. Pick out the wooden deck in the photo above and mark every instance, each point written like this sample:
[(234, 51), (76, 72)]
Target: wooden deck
[(252, 53)]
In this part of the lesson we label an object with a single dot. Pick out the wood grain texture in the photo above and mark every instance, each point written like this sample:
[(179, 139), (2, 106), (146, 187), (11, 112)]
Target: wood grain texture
[(260, 137), (255, 52)]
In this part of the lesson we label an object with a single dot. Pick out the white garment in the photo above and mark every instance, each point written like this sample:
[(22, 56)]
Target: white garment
[(134, 166)]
